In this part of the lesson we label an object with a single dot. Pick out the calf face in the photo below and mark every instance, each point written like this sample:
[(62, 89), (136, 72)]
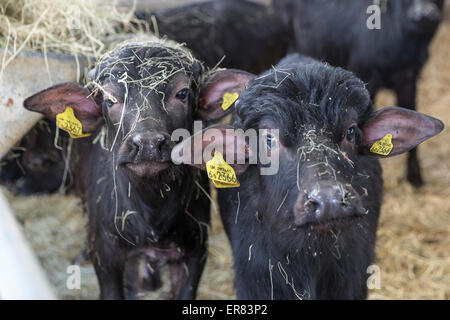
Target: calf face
[(140, 94), (423, 15), (317, 216)]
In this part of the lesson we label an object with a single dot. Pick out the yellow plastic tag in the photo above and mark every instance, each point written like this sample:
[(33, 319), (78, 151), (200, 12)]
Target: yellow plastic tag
[(221, 173), (68, 122), (383, 146), (229, 99)]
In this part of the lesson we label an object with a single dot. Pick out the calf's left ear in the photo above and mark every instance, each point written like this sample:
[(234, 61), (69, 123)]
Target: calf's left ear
[(219, 92), (393, 130), (56, 99)]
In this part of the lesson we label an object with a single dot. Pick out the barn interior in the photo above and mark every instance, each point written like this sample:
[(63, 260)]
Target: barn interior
[(413, 236)]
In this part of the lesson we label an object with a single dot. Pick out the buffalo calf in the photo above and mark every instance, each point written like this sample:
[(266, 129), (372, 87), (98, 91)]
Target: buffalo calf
[(307, 230), (138, 202)]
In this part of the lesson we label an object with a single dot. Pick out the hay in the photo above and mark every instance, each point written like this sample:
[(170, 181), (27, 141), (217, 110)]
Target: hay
[(56, 227), (76, 27)]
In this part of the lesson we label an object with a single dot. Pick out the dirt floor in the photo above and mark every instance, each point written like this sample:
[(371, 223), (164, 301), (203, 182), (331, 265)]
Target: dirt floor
[(413, 238)]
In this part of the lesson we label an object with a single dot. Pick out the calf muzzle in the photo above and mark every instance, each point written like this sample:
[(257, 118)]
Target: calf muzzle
[(327, 206), (146, 153)]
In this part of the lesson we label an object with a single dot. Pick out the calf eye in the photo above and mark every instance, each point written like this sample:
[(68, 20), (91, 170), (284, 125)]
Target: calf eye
[(271, 141), (351, 134), (108, 103), (182, 95)]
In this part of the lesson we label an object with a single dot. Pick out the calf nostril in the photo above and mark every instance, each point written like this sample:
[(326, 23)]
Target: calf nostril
[(312, 205), (159, 141), (137, 142), (346, 200)]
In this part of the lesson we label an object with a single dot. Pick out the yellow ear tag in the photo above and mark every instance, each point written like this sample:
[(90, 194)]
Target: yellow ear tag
[(68, 122), (229, 99), (383, 146), (221, 173)]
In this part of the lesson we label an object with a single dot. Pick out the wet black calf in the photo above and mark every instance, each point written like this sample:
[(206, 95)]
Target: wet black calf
[(309, 230), (391, 57), (35, 165), (248, 35), (139, 203)]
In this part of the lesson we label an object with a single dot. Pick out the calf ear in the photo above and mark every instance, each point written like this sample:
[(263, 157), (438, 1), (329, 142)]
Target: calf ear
[(408, 129), (56, 99), (198, 149), (219, 92)]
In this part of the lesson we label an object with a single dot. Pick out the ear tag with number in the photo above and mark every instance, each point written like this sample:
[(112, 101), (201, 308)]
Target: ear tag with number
[(68, 122), (229, 99), (221, 173), (383, 146)]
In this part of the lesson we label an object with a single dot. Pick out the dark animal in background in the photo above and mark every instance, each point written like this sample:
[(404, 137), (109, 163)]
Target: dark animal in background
[(309, 231), (248, 35), (138, 202), (35, 165), (391, 57)]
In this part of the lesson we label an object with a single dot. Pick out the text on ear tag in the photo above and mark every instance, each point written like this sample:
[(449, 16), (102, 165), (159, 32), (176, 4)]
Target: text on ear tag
[(229, 99), (221, 173), (383, 146), (68, 122)]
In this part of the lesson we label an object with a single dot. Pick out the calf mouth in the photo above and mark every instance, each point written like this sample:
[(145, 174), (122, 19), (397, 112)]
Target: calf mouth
[(145, 168), (335, 225)]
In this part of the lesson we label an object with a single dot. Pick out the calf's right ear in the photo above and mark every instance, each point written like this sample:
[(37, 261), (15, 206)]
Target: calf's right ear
[(56, 99)]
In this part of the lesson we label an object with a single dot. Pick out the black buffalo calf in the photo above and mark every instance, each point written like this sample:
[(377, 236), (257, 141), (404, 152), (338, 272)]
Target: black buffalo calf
[(392, 57), (308, 229), (139, 203), (247, 35)]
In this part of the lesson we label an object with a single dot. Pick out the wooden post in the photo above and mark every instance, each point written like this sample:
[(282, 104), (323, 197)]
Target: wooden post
[(21, 276)]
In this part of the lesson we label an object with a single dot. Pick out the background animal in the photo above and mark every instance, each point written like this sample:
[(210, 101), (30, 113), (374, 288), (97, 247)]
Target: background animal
[(245, 34), (391, 57), (35, 165)]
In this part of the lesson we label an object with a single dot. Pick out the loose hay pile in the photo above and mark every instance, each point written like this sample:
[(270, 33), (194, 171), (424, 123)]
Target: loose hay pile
[(413, 237), (64, 26), (76, 27)]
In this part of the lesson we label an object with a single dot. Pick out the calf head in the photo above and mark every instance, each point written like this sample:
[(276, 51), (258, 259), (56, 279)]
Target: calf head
[(138, 94), (319, 124), (423, 16)]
